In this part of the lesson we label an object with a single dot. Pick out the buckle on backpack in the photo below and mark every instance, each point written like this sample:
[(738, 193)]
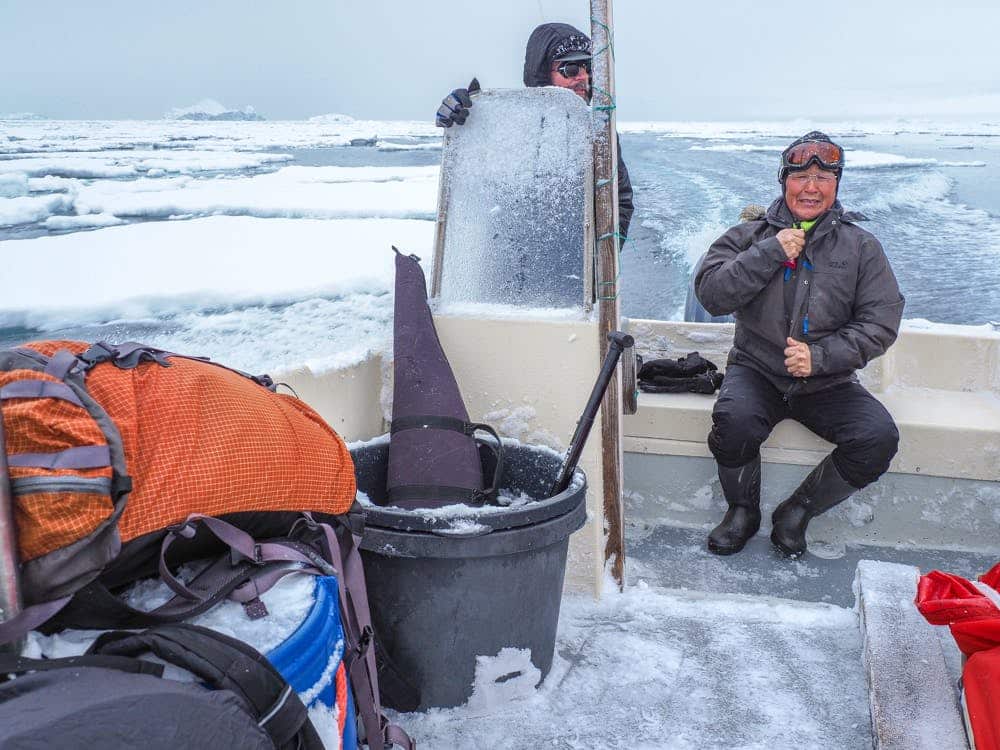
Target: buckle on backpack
[(305, 519), (365, 641), (236, 556), (185, 529), (99, 352)]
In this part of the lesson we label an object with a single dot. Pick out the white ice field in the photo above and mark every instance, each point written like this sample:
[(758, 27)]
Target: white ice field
[(266, 264)]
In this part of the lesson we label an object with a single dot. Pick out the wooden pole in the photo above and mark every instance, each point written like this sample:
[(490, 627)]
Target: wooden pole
[(10, 589), (606, 286)]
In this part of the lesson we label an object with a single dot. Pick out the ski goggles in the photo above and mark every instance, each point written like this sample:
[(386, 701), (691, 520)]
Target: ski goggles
[(828, 155), (572, 68)]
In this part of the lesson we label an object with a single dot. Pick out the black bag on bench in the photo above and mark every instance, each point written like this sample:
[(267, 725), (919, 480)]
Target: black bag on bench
[(689, 374)]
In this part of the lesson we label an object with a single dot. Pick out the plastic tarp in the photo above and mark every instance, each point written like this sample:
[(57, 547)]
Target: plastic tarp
[(981, 680), (971, 609)]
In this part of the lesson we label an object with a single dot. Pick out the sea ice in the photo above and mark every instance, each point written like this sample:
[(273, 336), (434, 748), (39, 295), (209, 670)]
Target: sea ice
[(13, 185), (216, 279), (292, 192), (29, 209)]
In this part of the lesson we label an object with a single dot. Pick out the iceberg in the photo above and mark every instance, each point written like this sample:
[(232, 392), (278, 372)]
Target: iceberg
[(209, 109), (332, 118), (20, 116)]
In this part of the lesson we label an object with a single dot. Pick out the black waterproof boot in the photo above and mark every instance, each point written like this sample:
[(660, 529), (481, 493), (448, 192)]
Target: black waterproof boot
[(820, 491), (741, 486)]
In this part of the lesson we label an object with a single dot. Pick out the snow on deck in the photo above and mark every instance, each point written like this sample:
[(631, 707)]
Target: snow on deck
[(661, 668)]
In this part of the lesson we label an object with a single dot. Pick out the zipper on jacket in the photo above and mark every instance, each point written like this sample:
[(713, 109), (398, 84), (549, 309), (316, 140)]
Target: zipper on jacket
[(788, 393), (86, 485), (792, 332), (806, 265)]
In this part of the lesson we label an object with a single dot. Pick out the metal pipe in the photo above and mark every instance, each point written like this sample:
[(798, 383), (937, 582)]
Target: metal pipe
[(10, 582), (617, 343)]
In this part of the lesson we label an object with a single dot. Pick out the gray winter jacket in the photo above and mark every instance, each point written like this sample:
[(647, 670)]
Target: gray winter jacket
[(847, 305)]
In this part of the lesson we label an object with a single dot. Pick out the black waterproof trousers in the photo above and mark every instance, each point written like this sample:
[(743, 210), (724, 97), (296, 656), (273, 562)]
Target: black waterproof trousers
[(847, 415)]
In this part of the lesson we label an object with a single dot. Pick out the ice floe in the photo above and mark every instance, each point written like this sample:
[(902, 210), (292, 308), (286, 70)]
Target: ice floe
[(211, 284)]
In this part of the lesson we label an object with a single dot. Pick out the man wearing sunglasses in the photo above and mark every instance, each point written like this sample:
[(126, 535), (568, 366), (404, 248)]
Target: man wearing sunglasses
[(557, 54), (815, 300)]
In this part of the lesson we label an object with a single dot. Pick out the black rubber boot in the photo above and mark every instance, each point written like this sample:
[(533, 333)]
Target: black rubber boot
[(821, 490), (741, 486)]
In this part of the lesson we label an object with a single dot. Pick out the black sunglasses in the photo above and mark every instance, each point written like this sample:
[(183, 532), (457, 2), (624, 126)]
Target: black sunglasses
[(572, 69)]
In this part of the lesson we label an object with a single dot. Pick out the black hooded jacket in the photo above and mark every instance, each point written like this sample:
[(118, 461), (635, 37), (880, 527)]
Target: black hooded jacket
[(541, 49)]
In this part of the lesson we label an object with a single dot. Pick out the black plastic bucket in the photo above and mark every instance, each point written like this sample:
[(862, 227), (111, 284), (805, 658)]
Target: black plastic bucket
[(443, 591)]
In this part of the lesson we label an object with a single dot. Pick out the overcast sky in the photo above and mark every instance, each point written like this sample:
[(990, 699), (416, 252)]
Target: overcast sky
[(395, 59)]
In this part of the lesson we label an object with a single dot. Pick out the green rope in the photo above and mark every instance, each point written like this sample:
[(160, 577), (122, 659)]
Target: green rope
[(620, 237), (611, 39), (604, 107)]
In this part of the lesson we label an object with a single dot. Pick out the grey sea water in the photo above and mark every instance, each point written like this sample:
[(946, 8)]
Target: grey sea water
[(939, 224)]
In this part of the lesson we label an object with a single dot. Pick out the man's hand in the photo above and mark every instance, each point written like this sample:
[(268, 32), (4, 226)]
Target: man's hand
[(455, 108), (792, 241), (798, 358)]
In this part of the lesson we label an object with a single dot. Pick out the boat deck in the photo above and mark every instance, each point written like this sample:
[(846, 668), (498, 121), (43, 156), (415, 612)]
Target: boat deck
[(677, 558), (700, 651), (661, 668)]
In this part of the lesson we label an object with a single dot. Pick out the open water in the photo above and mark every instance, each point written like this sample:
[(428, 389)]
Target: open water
[(936, 214)]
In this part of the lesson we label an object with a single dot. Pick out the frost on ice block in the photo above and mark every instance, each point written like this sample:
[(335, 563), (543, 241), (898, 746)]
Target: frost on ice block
[(516, 186), (914, 701)]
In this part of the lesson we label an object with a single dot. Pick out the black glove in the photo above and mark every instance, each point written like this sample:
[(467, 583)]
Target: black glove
[(685, 367), (690, 374), (455, 108), (704, 382)]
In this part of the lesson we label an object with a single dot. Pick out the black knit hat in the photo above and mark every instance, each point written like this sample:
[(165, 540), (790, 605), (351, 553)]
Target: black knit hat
[(813, 136), (573, 47)]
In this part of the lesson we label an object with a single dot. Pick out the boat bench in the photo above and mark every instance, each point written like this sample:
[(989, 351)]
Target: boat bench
[(942, 386)]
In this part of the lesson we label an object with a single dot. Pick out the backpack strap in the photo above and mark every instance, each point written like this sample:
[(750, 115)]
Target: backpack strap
[(129, 355), (343, 561), (29, 618), (403, 493), (243, 573), (12, 665), (223, 663), (342, 546)]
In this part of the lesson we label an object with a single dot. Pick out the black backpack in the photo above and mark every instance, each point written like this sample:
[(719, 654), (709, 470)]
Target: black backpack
[(247, 568), (110, 699)]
